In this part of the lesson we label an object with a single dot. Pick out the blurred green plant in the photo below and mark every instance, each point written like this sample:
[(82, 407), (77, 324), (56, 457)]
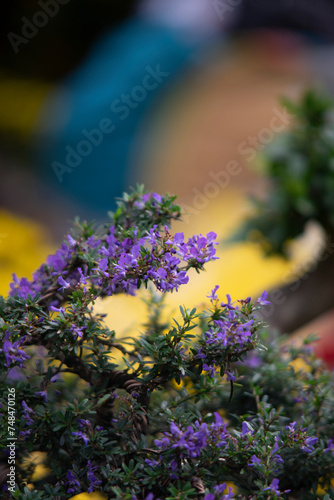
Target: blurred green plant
[(299, 166)]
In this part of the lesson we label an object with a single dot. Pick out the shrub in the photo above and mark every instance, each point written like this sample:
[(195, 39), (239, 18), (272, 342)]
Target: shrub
[(207, 405), (299, 168)]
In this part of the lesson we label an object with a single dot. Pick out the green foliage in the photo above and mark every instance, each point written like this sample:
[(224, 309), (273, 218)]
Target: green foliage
[(299, 166)]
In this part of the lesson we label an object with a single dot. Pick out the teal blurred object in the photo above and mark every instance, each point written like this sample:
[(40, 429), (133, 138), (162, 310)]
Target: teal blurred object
[(90, 123)]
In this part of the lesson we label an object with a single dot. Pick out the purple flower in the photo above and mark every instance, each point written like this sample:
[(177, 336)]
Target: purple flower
[(218, 434), (219, 493), (291, 427), (212, 296), (161, 273), (230, 376), (330, 447), (126, 261), (103, 266), (13, 352), (83, 276), (57, 309), (157, 197), (152, 463), (83, 436), (246, 429), (199, 249), (25, 434), (189, 442), (63, 284), (72, 481), (26, 411), (252, 360), (229, 303), (77, 331), (229, 333), (93, 481), (219, 490), (42, 394), (71, 241), (178, 239), (211, 369), (275, 457), (273, 487), (262, 299), (254, 461), (22, 287), (309, 443)]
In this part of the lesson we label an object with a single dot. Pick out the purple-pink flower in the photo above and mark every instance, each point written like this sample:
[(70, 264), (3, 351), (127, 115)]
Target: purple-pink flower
[(13, 352)]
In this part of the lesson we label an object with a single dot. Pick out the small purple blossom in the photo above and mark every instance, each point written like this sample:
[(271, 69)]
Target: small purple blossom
[(156, 197), (230, 376), (84, 423), (220, 489), (25, 434), (77, 331), (254, 461), (211, 369), (83, 436), (57, 309), (213, 296), (103, 266), (273, 487), (63, 284), (253, 360), (83, 276), (330, 447), (152, 463), (309, 443), (229, 303), (72, 482), (199, 249), (42, 394), (274, 456), (26, 413), (262, 299), (291, 427), (246, 429), (228, 333), (71, 241), (219, 493), (93, 481)]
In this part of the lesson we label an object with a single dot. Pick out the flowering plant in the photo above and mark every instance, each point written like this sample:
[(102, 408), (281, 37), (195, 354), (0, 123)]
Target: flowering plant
[(204, 406)]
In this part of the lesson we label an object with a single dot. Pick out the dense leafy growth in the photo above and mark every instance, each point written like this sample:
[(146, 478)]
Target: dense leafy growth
[(202, 406), (299, 166)]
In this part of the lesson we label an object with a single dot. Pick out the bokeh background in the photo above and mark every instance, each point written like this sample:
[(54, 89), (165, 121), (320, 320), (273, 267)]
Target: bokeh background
[(181, 95)]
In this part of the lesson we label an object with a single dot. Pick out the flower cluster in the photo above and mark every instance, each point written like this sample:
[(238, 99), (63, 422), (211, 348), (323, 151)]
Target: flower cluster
[(230, 331), (73, 484), (13, 352), (27, 417), (300, 437), (219, 493), (191, 442), (119, 261), (196, 443)]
